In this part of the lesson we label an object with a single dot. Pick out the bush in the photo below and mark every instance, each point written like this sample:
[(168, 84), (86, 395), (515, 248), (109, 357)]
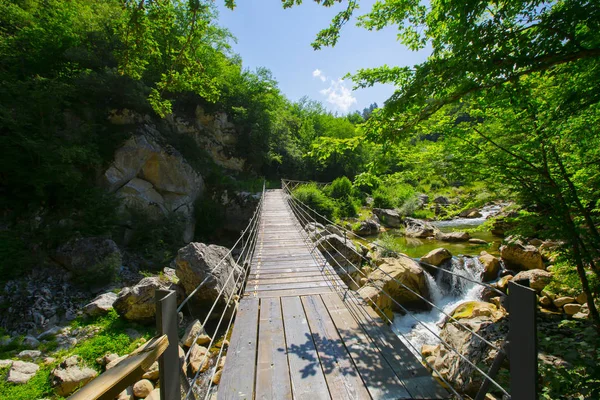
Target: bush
[(310, 195), (392, 196), (366, 182), (340, 188), (410, 206), (347, 207)]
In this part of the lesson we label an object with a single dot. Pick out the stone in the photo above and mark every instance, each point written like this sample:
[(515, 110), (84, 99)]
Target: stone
[(30, 341), (137, 303), (154, 178), (387, 217), (519, 256), (502, 283), (572, 309), (217, 378), (49, 360), (29, 354), (91, 260), (126, 394), (561, 301), (70, 375), (198, 356), (535, 242), (442, 200), (198, 261), (419, 229), (477, 241), (581, 298), (581, 315), (143, 388), (453, 236), (491, 266), (427, 350), (152, 373), (55, 330), (339, 252), (367, 228), (399, 278), (470, 211), (106, 359), (195, 331), (155, 395), (436, 257), (545, 301), (538, 278), (334, 230), (6, 363), (21, 372), (472, 309), (474, 214), (101, 305), (113, 363)]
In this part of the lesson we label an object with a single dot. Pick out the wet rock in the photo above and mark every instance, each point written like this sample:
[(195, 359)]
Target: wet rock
[(91, 260), (197, 262), (491, 266), (538, 278), (101, 305), (137, 303), (436, 257), (21, 372), (70, 375)]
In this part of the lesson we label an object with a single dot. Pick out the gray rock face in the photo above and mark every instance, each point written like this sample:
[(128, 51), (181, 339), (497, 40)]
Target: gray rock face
[(387, 217), (517, 255), (92, 260), (29, 354), (137, 303), (30, 341), (70, 375), (453, 236), (419, 229), (154, 178), (197, 262), (368, 227), (101, 305), (21, 372), (339, 252)]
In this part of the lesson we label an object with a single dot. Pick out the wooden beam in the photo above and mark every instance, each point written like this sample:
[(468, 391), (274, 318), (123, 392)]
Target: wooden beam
[(112, 382)]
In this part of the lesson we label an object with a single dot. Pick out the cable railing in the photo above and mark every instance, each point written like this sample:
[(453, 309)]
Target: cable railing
[(306, 215)]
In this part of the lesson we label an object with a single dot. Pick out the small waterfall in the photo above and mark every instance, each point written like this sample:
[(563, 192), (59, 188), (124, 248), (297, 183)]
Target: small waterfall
[(447, 291)]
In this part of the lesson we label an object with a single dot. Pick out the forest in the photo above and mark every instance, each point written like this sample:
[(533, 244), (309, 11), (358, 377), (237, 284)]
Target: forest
[(506, 108)]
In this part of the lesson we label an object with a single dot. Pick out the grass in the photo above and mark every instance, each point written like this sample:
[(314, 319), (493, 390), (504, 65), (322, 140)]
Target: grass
[(111, 338)]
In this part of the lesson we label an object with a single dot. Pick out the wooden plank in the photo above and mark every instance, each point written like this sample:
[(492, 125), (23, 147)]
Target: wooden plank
[(291, 292), (272, 373), (290, 278), (415, 377), (379, 377), (112, 382), (289, 286), (284, 275), (241, 354), (308, 381), (340, 372)]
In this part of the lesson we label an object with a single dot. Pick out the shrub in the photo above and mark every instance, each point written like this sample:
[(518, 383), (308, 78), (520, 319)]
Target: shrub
[(366, 182), (347, 207), (310, 195), (410, 206), (391, 196), (340, 188)]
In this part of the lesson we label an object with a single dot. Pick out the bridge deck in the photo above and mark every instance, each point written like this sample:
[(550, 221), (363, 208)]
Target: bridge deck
[(299, 333)]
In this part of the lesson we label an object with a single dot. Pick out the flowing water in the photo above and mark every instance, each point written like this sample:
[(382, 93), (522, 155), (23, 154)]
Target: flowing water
[(447, 291)]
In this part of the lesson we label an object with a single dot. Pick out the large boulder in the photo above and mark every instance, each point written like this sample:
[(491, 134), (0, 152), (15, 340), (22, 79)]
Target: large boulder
[(436, 257), (419, 229), (154, 178), (198, 262), (402, 279), (387, 217), (538, 278), (517, 255), (491, 266), (101, 305), (70, 375), (485, 319), (366, 228), (137, 303), (21, 372), (339, 252), (93, 260), (453, 236)]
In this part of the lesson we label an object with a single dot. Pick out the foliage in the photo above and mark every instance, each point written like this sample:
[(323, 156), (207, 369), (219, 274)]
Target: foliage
[(340, 188), (310, 195), (392, 195), (366, 182)]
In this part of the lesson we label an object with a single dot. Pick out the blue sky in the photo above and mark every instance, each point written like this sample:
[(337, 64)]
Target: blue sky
[(269, 36)]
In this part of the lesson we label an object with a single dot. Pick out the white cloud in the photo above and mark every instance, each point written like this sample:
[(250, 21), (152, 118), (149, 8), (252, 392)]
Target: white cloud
[(339, 95), (317, 73)]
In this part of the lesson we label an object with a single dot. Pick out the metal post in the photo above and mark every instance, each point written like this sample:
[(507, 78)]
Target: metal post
[(168, 364), (522, 336)]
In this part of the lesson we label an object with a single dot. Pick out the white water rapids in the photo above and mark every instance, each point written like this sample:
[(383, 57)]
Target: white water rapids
[(447, 291)]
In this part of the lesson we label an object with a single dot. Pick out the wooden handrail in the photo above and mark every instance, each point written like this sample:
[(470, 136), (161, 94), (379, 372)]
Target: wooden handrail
[(112, 382)]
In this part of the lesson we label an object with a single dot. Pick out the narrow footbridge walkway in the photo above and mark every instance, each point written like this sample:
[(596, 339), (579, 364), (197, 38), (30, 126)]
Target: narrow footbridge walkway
[(301, 334)]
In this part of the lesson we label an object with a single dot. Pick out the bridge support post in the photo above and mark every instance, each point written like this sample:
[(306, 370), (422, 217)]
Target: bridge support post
[(168, 364), (522, 336)]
